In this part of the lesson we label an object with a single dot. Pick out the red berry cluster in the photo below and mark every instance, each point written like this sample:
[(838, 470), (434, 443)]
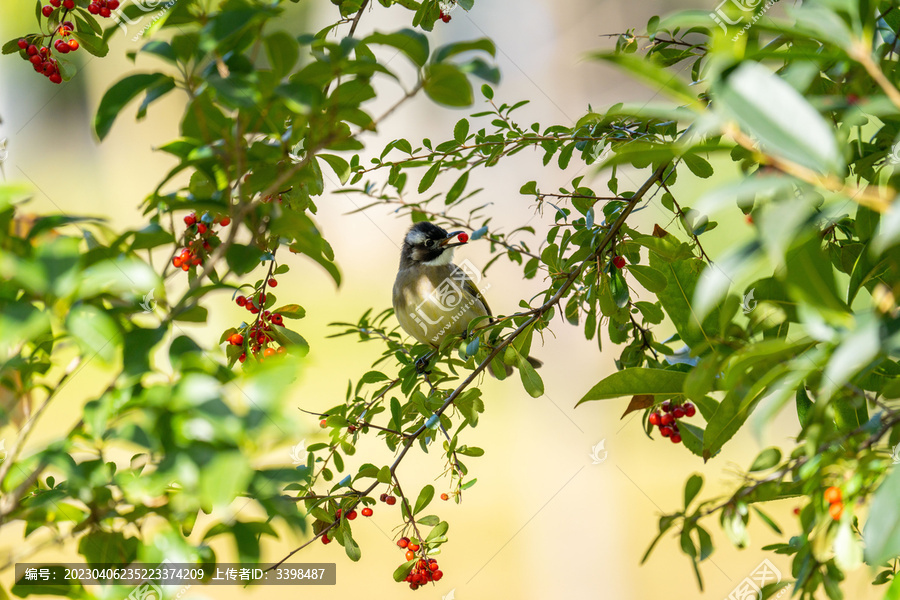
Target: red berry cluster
[(619, 262), (388, 499), (197, 239), (259, 333), (424, 570), (667, 421), (41, 59), (366, 512), (103, 7), (444, 17)]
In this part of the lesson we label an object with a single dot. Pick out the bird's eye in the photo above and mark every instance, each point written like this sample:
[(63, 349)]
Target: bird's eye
[(429, 243)]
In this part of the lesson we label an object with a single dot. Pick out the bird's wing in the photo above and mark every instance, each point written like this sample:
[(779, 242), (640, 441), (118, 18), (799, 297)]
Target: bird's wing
[(470, 288)]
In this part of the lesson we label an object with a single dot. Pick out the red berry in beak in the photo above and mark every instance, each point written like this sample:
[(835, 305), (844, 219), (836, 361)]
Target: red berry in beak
[(463, 238)]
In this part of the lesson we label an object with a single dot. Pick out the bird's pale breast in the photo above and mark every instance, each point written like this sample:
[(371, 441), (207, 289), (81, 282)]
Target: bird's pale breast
[(431, 303)]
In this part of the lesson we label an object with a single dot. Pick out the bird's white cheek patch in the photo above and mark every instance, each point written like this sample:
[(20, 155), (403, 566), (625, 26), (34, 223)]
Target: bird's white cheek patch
[(415, 238), (444, 259)]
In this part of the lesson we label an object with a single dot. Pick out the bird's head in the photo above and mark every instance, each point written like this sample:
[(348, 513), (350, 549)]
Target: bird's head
[(427, 244)]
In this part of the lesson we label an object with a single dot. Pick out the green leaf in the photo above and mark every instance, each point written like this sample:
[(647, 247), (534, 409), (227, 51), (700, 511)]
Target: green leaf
[(776, 114), (408, 41), (882, 529), (291, 311), (698, 166), (340, 166), (691, 489), (533, 383), (446, 84), (403, 570), (93, 44), (677, 299), (242, 258), (461, 131), (445, 52), (351, 547), (429, 177), (767, 459), (283, 52), (425, 497), (439, 531), (652, 280), (120, 94), (634, 381), (94, 331)]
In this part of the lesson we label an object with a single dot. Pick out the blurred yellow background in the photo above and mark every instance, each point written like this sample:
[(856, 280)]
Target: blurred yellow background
[(543, 521)]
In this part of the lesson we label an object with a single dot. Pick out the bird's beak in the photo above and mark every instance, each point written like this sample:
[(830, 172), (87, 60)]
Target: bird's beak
[(452, 236)]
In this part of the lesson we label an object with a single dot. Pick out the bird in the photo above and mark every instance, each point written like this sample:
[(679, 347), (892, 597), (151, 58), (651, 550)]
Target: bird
[(434, 298)]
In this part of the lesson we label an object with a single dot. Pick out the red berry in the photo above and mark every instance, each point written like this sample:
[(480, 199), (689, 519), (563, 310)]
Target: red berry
[(437, 575), (689, 409), (201, 228), (338, 513), (414, 547), (797, 510), (325, 539), (269, 352), (391, 500), (665, 431), (323, 423), (47, 11), (367, 512), (351, 515), (445, 18), (463, 237), (23, 43), (413, 586), (93, 8), (190, 219), (666, 419), (836, 510), (445, 497), (113, 4), (55, 78), (619, 262), (678, 412), (666, 406), (410, 555), (68, 4), (105, 12), (236, 339), (403, 542), (36, 60), (676, 439), (225, 221), (31, 50), (277, 319), (184, 266), (73, 44), (273, 282), (654, 418), (833, 495), (241, 300)]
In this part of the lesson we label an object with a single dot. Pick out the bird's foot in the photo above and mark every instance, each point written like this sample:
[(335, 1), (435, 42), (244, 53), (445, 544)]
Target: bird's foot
[(422, 364)]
